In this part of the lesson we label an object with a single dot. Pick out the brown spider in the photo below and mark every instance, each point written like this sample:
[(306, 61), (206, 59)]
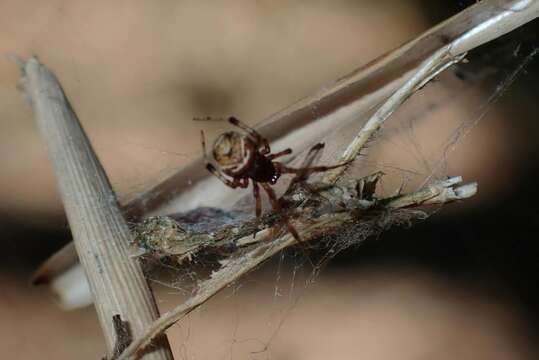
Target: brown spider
[(243, 157)]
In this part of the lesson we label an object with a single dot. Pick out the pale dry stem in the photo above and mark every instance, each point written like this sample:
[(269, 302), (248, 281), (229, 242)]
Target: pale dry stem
[(431, 67)]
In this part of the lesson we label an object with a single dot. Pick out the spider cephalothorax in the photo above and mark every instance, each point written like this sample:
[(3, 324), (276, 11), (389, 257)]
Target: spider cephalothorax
[(244, 157)]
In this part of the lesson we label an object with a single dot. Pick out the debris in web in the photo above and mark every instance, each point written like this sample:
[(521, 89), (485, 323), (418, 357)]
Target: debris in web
[(345, 213)]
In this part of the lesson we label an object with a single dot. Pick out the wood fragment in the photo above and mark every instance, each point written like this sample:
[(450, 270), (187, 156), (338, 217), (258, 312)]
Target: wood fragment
[(100, 233)]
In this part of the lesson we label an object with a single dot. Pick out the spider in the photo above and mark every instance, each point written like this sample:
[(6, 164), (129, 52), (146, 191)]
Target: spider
[(243, 157)]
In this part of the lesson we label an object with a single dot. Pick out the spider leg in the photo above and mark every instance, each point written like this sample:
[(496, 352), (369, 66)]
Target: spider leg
[(273, 198), (309, 159), (311, 155), (256, 194), (279, 154), (208, 118), (244, 183), (258, 206), (234, 183), (277, 208), (260, 140)]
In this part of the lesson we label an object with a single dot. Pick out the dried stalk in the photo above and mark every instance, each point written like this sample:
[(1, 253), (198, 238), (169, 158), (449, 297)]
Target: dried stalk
[(434, 65), (99, 230)]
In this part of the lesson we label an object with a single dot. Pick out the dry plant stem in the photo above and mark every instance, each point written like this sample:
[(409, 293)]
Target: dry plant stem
[(100, 233), (431, 67), (517, 13), (266, 246)]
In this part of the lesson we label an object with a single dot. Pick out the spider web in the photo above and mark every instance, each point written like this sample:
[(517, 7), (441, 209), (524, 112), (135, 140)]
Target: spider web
[(420, 142)]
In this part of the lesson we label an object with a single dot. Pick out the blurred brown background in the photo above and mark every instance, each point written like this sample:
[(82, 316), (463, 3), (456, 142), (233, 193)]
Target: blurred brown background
[(137, 72)]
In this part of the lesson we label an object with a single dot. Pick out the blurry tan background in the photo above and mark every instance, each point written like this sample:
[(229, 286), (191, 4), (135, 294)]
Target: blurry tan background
[(137, 72)]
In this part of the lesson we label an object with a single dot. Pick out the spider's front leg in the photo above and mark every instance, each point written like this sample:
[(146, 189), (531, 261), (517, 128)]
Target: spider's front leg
[(234, 183), (261, 141)]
